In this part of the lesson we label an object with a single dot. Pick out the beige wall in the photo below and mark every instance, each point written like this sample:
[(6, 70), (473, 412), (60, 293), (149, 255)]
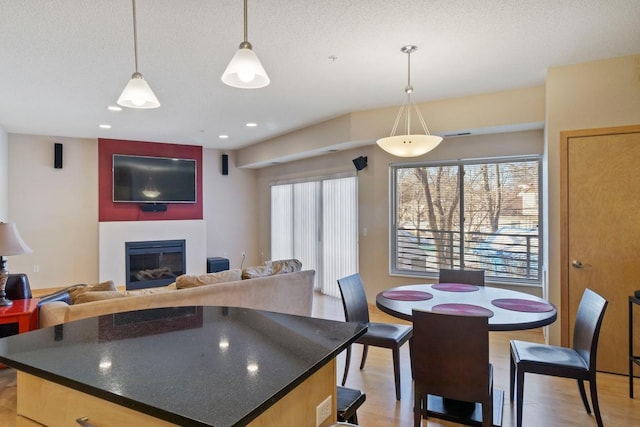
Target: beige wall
[(583, 96), (373, 192), (4, 176), (56, 210)]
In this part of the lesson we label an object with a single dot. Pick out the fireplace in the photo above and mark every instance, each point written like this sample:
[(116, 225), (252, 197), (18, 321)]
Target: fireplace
[(154, 263)]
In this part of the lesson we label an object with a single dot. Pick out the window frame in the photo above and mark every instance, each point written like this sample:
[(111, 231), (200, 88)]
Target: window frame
[(461, 163)]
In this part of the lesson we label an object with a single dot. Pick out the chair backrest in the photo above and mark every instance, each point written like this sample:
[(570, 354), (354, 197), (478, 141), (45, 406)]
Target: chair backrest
[(18, 287), (450, 355), (587, 326), (354, 299), (469, 277)]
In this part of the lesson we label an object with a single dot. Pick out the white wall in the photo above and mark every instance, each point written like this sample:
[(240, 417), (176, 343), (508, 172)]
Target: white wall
[(4, 176)]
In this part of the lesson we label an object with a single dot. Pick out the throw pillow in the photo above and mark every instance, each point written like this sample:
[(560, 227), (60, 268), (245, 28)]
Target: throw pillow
[(191, 281), (97, 296), (259, 271), (284, 266), (97, 287)]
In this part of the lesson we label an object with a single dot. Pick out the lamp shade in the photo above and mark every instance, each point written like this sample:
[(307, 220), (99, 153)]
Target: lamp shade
[(245, 70), (138, 94), (409, 145), (10, 241)]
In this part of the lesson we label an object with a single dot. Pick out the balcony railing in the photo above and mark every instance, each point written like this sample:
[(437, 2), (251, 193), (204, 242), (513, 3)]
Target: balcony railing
[(509, 253)]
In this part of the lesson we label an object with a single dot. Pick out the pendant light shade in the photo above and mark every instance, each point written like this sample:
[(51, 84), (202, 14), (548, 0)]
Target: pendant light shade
[(245, 70), (137, 93), (409, 145)]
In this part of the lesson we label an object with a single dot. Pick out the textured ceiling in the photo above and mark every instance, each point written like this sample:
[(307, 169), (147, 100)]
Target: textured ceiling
[(62, 62)]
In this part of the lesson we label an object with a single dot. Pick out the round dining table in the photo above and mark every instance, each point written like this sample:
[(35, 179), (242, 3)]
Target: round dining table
[(507, 310)]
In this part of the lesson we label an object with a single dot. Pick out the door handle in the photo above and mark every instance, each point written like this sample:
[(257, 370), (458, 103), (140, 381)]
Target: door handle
[(577, 264)]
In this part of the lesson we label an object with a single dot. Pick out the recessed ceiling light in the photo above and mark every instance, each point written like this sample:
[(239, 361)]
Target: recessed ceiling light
[(251, 125), (104, 126), (223, 136), (114, 108)]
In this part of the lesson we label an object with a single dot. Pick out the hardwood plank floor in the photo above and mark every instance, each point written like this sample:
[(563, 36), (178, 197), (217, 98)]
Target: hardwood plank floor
[(548, 401)]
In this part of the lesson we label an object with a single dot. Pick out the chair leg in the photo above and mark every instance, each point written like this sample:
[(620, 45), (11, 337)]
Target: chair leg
[(365, 350), (519, 395), (512, 377), (346, 365), (396, 370), (417, 409), (487, 412), (594, 401), (583, 395)]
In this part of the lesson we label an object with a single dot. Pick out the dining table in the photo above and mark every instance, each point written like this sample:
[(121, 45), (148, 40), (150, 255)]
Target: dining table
[(507, 310)]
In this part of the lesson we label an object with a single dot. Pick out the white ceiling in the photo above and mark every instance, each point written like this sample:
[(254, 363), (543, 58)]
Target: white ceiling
[(62, 62)]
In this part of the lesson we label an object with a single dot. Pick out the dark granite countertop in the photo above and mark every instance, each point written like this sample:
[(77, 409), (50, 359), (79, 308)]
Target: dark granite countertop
[(200, 366)]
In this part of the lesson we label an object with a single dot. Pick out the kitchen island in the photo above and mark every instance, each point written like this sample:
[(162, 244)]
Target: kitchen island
[(188, 366)]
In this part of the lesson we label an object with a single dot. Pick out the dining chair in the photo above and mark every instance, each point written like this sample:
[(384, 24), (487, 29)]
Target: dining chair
[(450, 358), (386, 335), (469, 277), (578, 362)]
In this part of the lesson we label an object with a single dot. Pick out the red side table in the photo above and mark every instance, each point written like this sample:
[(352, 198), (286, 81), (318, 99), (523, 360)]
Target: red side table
[(24, 312)]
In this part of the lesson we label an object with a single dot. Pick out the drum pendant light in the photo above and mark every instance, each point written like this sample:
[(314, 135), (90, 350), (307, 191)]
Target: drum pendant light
[(137, 93), (245, 70), (409, 145)]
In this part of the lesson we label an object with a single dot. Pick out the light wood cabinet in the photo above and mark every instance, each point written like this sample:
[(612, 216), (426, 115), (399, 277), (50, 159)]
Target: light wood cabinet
[(45, 403)]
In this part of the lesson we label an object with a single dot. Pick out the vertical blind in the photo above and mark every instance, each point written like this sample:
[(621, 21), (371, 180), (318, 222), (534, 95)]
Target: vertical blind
[(317, 223)]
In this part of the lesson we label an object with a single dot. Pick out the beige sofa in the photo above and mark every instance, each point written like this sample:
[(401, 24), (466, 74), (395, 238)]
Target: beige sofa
[(286, 293)]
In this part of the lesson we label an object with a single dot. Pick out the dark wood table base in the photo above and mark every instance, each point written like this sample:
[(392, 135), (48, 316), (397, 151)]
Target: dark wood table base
[(466, 413)]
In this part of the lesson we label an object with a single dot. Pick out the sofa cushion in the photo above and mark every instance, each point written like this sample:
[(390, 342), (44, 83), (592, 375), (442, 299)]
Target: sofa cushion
[(85, 297), (284, 266), (257, 271), (191, 280), (97, 287)]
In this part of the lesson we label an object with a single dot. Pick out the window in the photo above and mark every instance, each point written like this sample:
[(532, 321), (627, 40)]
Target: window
[(482, 214), (317, 223)]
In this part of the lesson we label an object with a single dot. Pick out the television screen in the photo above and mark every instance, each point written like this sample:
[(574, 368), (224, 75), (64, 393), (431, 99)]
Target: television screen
[(153, 179)]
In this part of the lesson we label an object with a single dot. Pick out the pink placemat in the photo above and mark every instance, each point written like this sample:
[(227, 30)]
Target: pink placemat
[(455, 287), (517, 304), (407, 295), (462, 309)]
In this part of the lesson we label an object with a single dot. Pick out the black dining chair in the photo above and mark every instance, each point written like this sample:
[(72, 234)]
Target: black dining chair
[(469, 277), (450, 359), (578, 362), (386, 335)]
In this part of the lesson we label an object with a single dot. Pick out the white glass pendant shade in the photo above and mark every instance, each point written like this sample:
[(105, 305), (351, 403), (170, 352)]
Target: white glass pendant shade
[(138, 94), (245, 70), (409, 145)]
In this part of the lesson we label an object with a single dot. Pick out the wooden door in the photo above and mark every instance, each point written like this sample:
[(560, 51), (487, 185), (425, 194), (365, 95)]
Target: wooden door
[(601, 232)]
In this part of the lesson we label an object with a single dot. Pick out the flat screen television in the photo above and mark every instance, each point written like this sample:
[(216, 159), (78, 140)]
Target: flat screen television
[(141, 179)]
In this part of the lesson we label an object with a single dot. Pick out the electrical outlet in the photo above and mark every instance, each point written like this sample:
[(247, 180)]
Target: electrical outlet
[(244, 254), (323, 411)]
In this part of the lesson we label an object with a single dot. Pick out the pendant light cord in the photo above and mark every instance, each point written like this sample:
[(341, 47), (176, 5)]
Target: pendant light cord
[(135, 35), (246, 39)]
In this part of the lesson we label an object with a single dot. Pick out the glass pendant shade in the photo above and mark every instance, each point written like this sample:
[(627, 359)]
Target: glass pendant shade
[(245, 70), (409, 145), (138, 94)]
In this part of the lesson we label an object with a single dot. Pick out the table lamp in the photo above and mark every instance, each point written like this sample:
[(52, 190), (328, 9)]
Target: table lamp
[(10, 244)]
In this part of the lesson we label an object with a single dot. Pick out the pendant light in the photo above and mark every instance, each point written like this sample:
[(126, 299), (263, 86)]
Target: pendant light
[(245, 70), (409, 145), (137, 93)]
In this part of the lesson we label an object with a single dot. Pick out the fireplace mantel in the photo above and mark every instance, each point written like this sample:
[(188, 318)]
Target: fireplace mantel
[(113, 235)]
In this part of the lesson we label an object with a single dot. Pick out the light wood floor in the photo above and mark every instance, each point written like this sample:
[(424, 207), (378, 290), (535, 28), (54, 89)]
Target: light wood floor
[(548, 401)]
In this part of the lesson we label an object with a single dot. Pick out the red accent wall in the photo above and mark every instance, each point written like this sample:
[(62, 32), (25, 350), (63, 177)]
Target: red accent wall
[(109, 211)]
